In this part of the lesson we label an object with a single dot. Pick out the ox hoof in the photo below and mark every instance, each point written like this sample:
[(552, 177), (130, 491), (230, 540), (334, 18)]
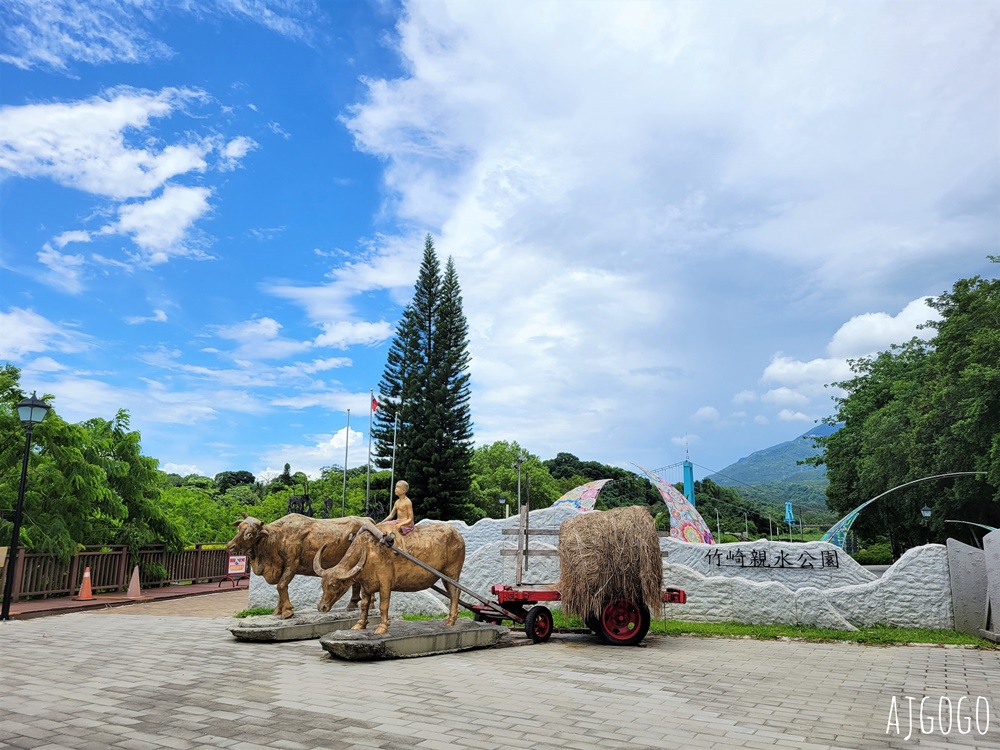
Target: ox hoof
[(358, 626), (381, 630)]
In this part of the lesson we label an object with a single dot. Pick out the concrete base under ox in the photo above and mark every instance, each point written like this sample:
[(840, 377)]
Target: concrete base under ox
[(407, 639), (298, 627)]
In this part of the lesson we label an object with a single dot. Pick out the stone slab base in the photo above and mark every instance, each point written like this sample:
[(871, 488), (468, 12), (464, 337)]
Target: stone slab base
[(298, 627), (990, 635), (407, 639)]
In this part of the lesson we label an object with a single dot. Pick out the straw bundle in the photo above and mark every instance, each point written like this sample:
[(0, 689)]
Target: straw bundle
[(614, 554)]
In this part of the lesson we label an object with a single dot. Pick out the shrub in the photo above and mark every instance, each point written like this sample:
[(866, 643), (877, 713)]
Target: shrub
[(875, 554)]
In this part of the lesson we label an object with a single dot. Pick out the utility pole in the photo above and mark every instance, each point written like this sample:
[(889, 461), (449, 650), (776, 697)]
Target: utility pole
[(517, 465), (347, 437)]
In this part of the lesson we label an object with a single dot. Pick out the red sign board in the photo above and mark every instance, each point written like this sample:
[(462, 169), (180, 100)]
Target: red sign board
[(237, 565)]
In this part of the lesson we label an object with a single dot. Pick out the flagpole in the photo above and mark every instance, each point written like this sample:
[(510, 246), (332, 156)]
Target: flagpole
[(392, 471), (347, 438), (371, 413)]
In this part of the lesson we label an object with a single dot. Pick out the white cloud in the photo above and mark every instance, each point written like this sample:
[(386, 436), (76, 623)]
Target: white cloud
[(158, 316), (629, 166), (76, 235), (870, 333), (744, 397), (27, 332), (317, 365), (250, 330), (182, 469), (56, 33), (802, 382), (328, 450), (106, 146), (64, 270), (787, 415), (82, 144), (160, 225), (278, 130), (259, 338), (342, 334), (706, 414), (46, 364), (234, 151)]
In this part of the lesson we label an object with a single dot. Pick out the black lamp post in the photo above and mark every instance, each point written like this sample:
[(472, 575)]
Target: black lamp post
[(926, 513), (31, 411)]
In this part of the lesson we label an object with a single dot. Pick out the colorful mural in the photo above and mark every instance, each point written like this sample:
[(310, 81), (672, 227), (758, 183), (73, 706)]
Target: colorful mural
[(686, 523), (582, 497)]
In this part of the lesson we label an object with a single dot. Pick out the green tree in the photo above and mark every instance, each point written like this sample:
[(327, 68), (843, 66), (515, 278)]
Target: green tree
[(424, 413), (226, 479), (89, 483), (918, 410), (197, 516), (494, 475)]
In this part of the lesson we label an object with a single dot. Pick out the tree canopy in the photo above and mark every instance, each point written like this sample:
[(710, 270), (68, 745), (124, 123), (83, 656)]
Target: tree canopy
[(89, 483), (423, 426), (918, 410)]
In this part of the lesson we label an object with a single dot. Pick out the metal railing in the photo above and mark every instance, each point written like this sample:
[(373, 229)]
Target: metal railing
[(43, 576)]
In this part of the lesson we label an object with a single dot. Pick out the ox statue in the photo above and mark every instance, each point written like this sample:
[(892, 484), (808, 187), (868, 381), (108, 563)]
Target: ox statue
[(379, 570), (280, 550)]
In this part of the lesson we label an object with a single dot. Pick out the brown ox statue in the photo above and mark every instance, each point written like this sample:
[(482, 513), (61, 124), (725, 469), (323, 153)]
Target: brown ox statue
[(380, 571), (280, 550)]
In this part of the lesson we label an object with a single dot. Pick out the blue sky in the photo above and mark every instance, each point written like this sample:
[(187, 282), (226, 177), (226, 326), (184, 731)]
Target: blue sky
[(673, 223)]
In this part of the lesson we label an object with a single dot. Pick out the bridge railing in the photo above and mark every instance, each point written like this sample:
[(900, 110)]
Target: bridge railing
[(43, 576)]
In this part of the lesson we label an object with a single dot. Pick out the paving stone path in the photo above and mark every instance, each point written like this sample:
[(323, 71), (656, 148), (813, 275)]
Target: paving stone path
[(149, 676)]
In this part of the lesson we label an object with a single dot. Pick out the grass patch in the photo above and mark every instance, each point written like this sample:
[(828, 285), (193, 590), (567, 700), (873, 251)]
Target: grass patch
[(878, 635), (255, 611), (423, 617)]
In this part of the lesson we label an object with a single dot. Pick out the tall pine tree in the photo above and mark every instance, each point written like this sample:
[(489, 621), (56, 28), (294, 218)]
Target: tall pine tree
[(425, 385)]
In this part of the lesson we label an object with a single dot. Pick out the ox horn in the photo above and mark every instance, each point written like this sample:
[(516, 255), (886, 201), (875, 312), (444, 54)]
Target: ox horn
[(317, 567), (357, 568)]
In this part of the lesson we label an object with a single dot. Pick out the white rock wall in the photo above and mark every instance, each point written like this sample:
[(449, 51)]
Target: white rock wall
[(915, 592), (794, 565)]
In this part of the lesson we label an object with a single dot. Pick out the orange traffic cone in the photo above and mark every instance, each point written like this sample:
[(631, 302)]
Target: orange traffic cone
[(85, 591), (133, 585)]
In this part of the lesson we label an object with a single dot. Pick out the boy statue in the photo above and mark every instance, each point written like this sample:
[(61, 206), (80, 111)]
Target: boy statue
[(402, 509)]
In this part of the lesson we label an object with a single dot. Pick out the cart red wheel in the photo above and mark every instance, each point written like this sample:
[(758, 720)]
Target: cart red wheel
[(623, 622), (538, 624)]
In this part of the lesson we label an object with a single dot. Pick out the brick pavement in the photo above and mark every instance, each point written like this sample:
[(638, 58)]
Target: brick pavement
[(151, 676)]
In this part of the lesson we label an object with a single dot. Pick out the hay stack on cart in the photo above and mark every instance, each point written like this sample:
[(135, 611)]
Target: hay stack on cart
[(611, 572)]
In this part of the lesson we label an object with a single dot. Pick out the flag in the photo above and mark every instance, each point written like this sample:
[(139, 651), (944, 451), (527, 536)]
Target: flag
[(374, 403)]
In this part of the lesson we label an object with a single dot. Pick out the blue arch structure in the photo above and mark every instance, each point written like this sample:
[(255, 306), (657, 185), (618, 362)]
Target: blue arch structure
[(837, 534)]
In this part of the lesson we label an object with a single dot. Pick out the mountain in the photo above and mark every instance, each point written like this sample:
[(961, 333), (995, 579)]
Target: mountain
[(773, 476), (779, 463)]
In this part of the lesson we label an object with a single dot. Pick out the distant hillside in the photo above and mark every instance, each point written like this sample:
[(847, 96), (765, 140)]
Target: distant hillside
[(773, 476), (778, 464)]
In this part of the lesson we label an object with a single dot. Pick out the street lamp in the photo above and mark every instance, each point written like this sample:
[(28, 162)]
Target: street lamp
[(926, 513), (31, 411)]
